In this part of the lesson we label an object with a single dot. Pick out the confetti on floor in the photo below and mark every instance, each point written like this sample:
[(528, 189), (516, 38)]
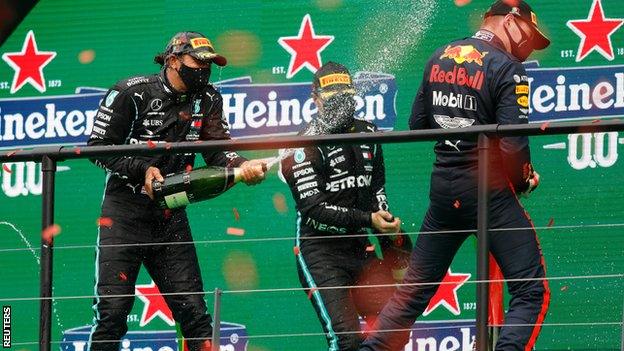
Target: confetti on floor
[(370, 248), (6, 168), (235, 231), (11, 153), (457, 204), (296, 250), (311, 291), (167, 146), (236, 214), (77, 151), (188, 168), (122, 276), (544, 126), (151, 144)]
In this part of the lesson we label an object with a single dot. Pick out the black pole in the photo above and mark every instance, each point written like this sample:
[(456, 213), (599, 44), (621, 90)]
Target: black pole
[(48, 168), (483, 274), (216, 321)]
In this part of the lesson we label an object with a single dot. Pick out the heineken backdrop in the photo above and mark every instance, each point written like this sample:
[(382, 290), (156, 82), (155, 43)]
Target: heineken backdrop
[(59, 61)]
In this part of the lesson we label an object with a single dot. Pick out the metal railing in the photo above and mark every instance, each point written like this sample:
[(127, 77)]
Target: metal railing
[(50, 156)]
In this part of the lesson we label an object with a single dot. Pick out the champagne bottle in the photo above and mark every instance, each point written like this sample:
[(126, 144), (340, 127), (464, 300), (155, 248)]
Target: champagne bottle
[(183, 188)]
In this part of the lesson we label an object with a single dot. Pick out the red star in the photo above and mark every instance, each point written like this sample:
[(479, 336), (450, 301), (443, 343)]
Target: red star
[(155, 304), (305, 49), (447, 293), (28, 64), (595, 32)]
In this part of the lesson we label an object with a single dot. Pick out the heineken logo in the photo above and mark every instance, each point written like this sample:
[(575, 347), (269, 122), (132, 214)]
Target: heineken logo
[(252, 110)]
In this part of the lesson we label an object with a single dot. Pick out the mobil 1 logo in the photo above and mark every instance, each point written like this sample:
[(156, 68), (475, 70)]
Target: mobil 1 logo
[(452, 100)]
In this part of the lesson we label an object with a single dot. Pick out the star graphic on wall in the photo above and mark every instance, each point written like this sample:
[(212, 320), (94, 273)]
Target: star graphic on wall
[(155, 305), (447, 293), (595, 32), (28, 64), (305, 48)]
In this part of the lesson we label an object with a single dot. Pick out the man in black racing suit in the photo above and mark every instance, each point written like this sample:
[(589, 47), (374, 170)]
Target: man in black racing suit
[(476, 81), (178, 104), (340, 191)]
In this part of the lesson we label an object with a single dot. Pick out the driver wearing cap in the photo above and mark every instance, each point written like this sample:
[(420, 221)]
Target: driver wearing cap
[(178, 104), (476, 81)]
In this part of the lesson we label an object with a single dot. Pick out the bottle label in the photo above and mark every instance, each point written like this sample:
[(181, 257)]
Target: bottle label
[(177, 200)]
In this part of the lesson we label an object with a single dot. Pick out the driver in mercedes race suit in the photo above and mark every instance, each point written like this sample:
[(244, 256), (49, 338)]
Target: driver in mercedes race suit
[(340, 192), (178, 104)]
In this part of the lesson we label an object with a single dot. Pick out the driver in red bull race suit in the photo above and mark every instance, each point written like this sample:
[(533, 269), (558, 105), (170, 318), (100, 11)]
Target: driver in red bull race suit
[(476, 81), (178, 104)]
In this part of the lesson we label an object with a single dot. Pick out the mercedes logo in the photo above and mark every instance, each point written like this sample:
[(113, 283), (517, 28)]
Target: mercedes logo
[(156, 104)]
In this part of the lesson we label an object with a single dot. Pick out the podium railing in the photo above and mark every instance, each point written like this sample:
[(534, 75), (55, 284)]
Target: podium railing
[(50, 156)]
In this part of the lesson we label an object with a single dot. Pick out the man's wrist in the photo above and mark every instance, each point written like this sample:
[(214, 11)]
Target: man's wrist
[(366, 219)]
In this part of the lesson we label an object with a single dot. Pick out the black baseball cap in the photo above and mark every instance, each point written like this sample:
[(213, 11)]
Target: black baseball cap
[(521, 9), (332, 78), (196, 45)]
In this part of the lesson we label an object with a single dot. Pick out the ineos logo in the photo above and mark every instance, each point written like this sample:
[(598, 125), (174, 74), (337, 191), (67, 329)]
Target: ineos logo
[(156, 104)]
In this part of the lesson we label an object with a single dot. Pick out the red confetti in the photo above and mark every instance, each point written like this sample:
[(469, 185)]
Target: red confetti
[(104, 222), (123, 276), (6, 168), (167, 213), (50, 232), (167, 146), (551, 222), (311, 291), (596, 121), (77, 151), (235, 231), (296, 250), (456, 204), (151, 144), (564, 288), (544, 126), (236, 214), (11, 153), (188, 168), (198, 141), (370, 248)]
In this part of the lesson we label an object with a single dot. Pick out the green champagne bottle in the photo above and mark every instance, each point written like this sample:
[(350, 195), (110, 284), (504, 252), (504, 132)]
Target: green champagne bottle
[(184, 188)]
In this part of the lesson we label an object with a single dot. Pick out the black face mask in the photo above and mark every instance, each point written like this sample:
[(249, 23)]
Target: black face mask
[(195, 79), (521, 50)]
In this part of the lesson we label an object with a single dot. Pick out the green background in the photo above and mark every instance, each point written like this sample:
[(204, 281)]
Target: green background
[(394, 37)]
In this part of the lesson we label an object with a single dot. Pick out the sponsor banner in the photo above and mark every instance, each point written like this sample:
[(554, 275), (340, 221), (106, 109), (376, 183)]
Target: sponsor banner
[(456, 335), (575, 93), (233, 338), (251, 109)]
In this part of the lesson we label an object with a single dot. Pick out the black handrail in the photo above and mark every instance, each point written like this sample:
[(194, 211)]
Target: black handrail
[(265, 143)]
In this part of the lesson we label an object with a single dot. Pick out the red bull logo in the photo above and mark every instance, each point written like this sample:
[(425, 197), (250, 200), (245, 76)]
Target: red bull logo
[(464, 53)]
